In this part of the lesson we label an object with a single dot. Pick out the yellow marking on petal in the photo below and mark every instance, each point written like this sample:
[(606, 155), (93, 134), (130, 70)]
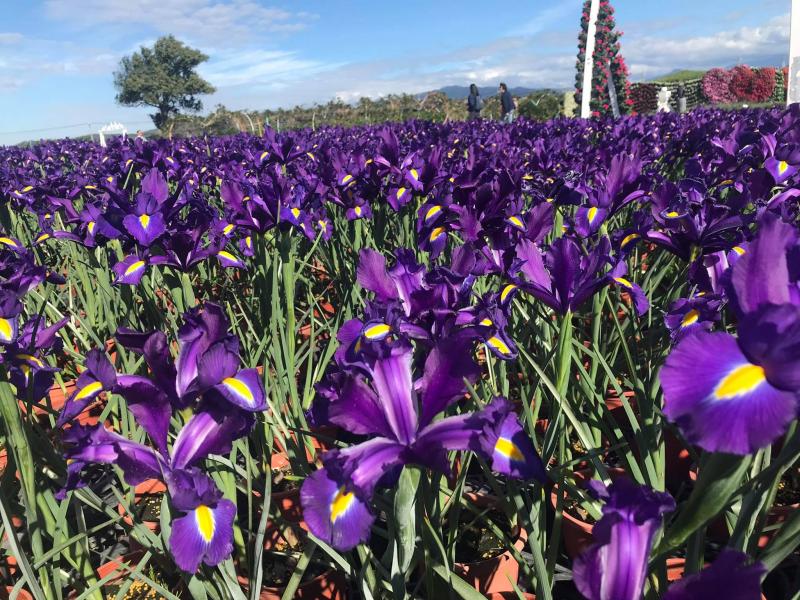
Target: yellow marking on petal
[(170, 159), (508, 449), (312, 156), (369, 161), (357, 210), (144, 220), (782, 166), (690, 318), (486, 322), (89, 390), (90, 187), (452, 180), (499, 345), (128, 162), (245, 198), (346, 178), (43, 237), (30, 358), (376, 332), (110, 178), (28, 188), (415, 174), (205, 522), (629, 238), (134, 267), (437, 233), (9, 242), (263, 155), (527, 177), (228, 228), (227, 255), (743, 379), (323, 225), (623, 281), (550, 200), (240, 389), (506, 291), (340, 503), (248, 241), (672, 214), (432, 212), (726, 182), (6, 330), (400, 192), (739, 250), (295, 212), (516, 221), (592, 214), (90, 226)]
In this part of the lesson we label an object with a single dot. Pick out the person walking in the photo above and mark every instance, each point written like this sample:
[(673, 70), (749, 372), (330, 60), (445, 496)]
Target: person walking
[(681, 98), (507, 105), (474, 103)]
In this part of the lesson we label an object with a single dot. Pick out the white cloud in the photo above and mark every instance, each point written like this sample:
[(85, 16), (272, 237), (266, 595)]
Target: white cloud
[(650, 56), (210, 21), (9, 37), (259, 67)]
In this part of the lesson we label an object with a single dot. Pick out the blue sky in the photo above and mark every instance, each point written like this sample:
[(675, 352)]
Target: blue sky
[(57, 56)]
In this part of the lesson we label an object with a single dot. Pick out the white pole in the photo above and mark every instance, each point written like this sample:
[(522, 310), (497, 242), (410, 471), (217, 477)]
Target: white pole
[(793, 93), (589, 62)]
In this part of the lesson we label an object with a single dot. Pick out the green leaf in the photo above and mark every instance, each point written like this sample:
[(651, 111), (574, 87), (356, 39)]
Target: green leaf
[(460, 587), (405, 515), (719, 478)]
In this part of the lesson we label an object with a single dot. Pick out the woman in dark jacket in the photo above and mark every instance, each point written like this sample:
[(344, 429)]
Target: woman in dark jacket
[(474, 103)]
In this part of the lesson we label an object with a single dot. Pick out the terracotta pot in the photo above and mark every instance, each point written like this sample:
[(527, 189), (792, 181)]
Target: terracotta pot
[(119, 566), (150, 488), (331, 585), (327, 311), (7, 591), (775, 516), (289, 506), (677, 461), (494, 575), (510, 596), (577, 533)]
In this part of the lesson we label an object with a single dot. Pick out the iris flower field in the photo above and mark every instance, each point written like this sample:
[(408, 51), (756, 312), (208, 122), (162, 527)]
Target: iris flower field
[(464, 360)]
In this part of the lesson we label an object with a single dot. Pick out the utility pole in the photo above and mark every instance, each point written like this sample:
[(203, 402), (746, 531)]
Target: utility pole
[(589, 58), (793, 93)]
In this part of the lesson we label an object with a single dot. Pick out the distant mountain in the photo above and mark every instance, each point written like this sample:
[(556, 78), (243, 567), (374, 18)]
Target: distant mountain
[(458, 92)]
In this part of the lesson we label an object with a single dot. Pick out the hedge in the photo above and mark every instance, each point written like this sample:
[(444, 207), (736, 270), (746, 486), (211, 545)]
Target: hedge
[(645, 95)]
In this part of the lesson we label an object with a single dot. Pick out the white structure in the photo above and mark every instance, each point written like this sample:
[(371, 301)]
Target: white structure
[(114, 128), (589, 62), (663, 99), (793, 93)]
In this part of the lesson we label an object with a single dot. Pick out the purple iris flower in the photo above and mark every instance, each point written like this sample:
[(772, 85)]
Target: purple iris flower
[(621, 185), (224, 400), (615, 566), (564, 277), (147, 222), (729, 577), (690, 315), (383, 400), (738, 394)]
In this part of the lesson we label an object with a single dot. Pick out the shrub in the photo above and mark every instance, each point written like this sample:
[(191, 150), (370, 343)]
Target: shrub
[(751, 85), (717, 86), (540, 106)]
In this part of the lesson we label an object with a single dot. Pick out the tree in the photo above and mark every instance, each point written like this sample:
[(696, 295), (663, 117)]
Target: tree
[(607, 62), (163, 77)]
